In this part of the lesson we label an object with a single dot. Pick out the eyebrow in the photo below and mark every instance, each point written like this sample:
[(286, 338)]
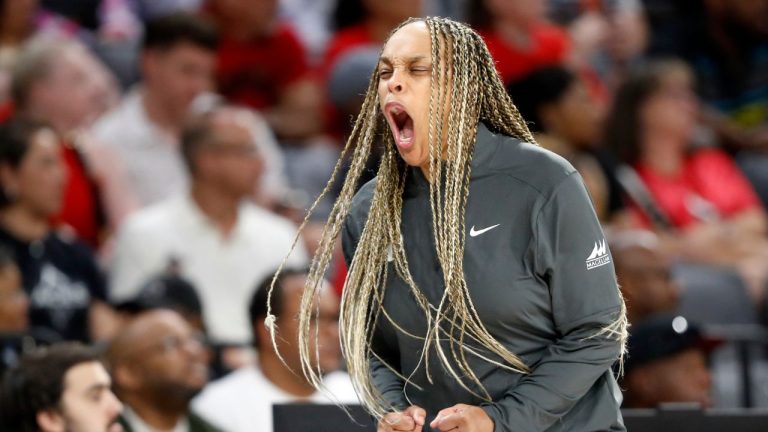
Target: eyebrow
[(98, 387), (412, 59)]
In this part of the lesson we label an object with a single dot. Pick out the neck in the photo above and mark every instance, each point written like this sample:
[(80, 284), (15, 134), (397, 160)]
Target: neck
[(282, 377), (160, 419), (221, 208), (159, 114), (24, 224), (661, 152)]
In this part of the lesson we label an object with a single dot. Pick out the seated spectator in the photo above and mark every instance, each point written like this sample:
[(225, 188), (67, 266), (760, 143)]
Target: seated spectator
[(519, 36), (608, 37), (263, 65), (644, 275), (695, 197), (138, 143), (221, 242), (59, 274), (167, 291), (567, 120), (62, 84), (361, 24), (725, 42), (242, 401), (16, 335), (158, 366), (61, 388), (667, 362), (16, 25)]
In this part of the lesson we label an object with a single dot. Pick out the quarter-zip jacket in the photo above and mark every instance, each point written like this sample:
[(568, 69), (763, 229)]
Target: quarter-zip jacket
[(540, 277)]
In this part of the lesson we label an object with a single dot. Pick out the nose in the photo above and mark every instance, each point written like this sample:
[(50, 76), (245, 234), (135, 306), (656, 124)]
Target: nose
[(115, 406), (395, 83)]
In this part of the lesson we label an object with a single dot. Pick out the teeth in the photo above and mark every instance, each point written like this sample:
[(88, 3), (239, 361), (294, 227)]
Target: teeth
[(396, 110)]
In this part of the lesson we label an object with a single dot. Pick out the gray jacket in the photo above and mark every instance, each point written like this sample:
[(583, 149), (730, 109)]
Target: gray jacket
[(540, 277)]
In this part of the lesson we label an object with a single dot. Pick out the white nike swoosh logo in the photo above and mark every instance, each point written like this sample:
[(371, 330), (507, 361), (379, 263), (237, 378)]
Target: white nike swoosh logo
[(473, 233)]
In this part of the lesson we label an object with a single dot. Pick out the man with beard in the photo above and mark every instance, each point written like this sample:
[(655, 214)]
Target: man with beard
[(61, 388), (158, 364)]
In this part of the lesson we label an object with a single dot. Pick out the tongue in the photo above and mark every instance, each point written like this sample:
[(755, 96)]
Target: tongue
[(406, 133)]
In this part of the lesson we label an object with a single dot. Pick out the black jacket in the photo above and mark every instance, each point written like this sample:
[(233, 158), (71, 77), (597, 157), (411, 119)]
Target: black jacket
[(540, 277)]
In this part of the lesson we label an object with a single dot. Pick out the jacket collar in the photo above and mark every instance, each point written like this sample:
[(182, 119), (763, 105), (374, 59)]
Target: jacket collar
[(485, 146)]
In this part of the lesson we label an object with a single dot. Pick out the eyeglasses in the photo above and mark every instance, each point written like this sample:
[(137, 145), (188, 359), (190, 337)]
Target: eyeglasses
[(175, 343)]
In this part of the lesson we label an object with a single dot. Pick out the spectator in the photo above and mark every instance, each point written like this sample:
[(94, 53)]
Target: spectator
[(360, 24), (311, 19), (644, 275), (15, 27), (566, 119), (16, 335), (143, 133), (242, 401), (158, 366), (168, 291), (608, 37), (263, 65), (222, 242), (518, 35), (697, 198), (58, 272), (667, 362), (61, 388), (62, 84)]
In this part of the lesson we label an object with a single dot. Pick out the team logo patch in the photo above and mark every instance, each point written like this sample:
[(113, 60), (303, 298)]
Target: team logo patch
[(599, 256)]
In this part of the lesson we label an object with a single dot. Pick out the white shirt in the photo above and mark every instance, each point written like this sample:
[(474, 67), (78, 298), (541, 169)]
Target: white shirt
[(151, 157), (140, 164), (242, 401), (225, 271), (138, 425)]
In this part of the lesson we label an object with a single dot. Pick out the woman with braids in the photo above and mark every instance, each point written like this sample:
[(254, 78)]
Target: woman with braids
[(480, 294)]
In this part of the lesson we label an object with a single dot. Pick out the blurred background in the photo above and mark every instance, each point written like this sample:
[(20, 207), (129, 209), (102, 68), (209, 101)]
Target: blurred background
[(160, 154)]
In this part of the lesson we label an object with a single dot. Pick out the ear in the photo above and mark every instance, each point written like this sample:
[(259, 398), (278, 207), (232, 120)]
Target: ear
[(126, 378), (50, 421), (9, 181), (548, 114)]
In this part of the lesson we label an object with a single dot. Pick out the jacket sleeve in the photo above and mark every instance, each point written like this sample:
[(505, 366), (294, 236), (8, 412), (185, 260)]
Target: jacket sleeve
[(387, 382), (573, 260)]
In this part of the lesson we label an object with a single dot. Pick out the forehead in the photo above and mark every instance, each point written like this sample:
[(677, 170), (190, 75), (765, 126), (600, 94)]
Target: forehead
[(410, 41), (83, 376), (231, 130)]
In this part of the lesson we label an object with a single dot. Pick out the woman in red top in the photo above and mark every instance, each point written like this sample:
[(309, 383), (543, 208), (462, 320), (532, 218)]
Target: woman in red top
[(705, 208), (518, 35)]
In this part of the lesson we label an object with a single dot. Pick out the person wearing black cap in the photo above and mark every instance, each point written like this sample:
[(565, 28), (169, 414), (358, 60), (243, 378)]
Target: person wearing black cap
[(667, 362), (167, 291)]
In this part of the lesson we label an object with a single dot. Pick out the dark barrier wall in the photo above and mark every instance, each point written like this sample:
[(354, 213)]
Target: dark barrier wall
[(329, 418)]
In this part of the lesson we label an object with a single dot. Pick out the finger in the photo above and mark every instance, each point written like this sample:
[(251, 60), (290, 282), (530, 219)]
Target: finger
[(418, 414), (447, 412), (398, 422), (449, 422)]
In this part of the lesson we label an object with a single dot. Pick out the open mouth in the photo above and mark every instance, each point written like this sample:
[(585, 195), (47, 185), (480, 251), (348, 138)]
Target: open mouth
[(401, 124)]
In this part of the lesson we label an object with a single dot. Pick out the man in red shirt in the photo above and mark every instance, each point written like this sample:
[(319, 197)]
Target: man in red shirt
[(262, 64)]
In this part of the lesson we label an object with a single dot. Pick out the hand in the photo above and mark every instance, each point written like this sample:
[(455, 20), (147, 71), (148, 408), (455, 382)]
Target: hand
[(410, 420), (462, 418)]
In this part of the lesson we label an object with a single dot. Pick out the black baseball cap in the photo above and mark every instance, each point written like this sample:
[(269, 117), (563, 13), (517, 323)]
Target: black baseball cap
[(165, 291), (662, 336)]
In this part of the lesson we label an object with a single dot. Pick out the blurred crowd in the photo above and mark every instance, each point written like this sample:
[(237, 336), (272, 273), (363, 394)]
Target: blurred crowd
[(157, 157)]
